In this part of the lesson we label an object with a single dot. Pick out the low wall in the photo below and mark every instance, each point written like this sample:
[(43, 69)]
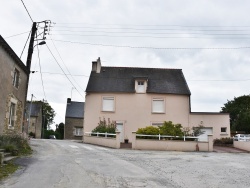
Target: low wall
[(242, 145), (170, 145), (102, 141)]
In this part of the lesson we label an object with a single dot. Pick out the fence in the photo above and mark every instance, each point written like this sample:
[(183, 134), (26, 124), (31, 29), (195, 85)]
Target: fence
[(162, 137), (103, 139), (171, 145)]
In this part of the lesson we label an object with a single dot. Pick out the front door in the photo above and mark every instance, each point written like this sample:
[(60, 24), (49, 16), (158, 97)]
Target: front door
[(120, 128)]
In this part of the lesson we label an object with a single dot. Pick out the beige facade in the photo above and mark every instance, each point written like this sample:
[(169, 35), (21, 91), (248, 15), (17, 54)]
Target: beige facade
[(13, 88), (135, 111)]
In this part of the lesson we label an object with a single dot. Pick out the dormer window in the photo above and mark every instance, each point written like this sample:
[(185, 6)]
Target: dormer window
[(140, 86)]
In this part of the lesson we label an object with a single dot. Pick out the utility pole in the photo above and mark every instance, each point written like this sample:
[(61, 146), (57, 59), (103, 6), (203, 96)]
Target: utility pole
[(34, 37), (31, 45)]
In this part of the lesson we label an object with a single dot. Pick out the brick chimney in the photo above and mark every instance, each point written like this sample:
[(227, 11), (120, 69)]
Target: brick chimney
[(96, 65), (68, 100)]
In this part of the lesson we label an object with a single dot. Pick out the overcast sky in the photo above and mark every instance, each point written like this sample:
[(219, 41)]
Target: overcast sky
[(207, 39)]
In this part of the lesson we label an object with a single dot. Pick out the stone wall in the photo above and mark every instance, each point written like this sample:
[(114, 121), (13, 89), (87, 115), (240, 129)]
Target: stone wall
[(69, 128)]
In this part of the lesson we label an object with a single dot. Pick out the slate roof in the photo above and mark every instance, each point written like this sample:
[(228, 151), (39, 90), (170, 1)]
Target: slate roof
[(122, 79), (36, 108), (75, 110), (9, 50)]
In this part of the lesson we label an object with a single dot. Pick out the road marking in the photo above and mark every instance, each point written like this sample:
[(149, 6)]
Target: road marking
[(73, 146), (89, 148), (105, 149)]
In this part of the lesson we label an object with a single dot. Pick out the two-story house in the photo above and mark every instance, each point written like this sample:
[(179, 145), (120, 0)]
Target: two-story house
[(138, 97), (13, 89), (74, 117), (35, 118)]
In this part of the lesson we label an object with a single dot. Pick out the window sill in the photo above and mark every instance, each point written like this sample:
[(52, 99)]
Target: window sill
[(223, 134), (109, 111), (11, 127), (158, 112), (78, 135)]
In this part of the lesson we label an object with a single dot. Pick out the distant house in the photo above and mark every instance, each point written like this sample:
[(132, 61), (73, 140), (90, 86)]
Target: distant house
[(139, 97), (73, 128), (34, 114), (13, 90)]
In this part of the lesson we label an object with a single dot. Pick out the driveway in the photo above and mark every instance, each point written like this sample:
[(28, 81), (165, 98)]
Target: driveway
[(66, 164), (221, 149)]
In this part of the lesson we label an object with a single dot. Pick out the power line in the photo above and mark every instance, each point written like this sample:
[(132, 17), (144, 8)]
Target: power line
[(159, 37), (27, 11), (155, 48), (25, 44), (231, 80), (17, 34), (65, 65), (41, 72), (162, 33), (63, 70)]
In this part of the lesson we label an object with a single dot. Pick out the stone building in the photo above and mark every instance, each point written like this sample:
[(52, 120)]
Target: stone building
[(13, 90), (73, 128), (34, 113)]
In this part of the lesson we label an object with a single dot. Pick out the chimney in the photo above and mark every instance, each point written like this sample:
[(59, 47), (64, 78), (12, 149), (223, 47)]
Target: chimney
[(68, 100), (96, 65)]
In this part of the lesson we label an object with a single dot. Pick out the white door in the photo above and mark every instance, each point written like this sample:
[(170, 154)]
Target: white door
[(119, 127), (206, 131)]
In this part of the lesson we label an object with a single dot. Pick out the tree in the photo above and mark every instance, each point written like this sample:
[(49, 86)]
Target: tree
[(60, 131), (48, 115), (239, 109)]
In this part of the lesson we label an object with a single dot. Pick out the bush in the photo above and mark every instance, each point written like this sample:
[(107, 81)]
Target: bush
[(223, 141), (168, 128), (105, 127), (15, 144)]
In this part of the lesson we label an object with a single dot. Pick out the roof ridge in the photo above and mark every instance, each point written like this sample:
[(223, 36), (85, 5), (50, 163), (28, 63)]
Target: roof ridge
[(142, 68)]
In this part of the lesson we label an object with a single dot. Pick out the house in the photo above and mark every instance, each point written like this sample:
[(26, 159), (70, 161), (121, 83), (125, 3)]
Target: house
[(73, 128), (139, 97), (35, 118), (13, 90)]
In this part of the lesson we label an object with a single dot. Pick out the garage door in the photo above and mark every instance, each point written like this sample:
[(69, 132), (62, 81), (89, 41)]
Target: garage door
[(206, 131)]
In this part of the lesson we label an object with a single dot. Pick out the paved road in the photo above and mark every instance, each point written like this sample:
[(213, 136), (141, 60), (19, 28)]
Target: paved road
[(67, 164)]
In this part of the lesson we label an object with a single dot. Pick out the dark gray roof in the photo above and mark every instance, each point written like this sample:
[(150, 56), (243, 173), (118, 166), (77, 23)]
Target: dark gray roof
[(75, 110), (36, 108), (122, 79), (9, 50)]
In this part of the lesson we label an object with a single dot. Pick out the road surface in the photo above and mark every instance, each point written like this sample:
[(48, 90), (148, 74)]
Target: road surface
[(68, 164)]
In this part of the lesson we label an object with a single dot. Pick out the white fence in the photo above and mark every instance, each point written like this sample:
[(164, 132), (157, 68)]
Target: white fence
[(162, 137)]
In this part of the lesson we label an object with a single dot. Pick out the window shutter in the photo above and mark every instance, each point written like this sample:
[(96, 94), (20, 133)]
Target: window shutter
[(12, 74), (108, 104), (74, 131), (158, 105)]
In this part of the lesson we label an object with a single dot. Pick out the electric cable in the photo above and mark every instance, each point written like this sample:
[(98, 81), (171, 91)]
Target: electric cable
[(27, 11)]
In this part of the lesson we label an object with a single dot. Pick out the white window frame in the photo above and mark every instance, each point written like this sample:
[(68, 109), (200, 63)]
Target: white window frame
[(158, 111), (140, 86), (105, 101), (78, 131), (16, 78), (12, 114)]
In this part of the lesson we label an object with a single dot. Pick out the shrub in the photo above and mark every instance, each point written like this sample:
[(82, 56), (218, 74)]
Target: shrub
[(168, 128), (223, 141), (105, 127), (15, 144)]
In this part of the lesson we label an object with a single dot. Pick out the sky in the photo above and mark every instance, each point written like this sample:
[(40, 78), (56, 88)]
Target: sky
[(207, 39)]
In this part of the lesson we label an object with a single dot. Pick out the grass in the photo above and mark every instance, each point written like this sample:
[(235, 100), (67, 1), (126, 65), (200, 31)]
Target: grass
[(17, 146), (7, 169)]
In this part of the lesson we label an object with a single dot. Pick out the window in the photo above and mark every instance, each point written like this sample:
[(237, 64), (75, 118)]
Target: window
[(223, 129), (140, 87), (16, 78), (78, 131), (12, 113), (108, 104), (158, 106), (157, 124)]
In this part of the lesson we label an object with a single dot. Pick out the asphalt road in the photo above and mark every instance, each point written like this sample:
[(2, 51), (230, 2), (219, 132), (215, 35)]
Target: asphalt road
[(67, 164)]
